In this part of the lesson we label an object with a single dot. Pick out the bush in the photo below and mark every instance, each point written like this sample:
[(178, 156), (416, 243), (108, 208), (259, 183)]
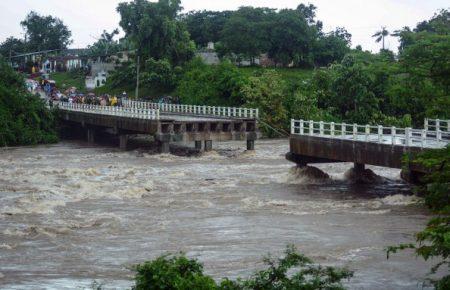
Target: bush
[(214, 85), (24, 119), (293, 271)]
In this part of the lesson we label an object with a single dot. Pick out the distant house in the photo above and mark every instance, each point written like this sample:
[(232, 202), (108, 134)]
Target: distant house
[(96, 81), (63, 63)]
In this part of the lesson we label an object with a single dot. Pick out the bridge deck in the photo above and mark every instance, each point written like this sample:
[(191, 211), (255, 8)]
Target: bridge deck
[(164, 126), (317, 142)]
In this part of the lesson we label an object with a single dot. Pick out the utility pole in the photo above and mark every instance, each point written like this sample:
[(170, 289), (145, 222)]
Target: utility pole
[(137, 76)]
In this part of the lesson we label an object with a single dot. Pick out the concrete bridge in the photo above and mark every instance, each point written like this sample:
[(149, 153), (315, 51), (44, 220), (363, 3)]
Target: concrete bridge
[(323, 142), (166, 122)]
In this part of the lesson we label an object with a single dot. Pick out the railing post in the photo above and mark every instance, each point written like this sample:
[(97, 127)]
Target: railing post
[(321, 128), (367, 132), (438, 125), (332, 130), (425, 124), (423, 138), (302, 129), (438, 135), (311, 127), (380, 134), (407, 136), (343, 129), (292, 126), (355, 131), (393, 133)]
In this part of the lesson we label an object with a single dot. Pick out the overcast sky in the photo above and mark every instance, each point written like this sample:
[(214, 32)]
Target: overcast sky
[(87, 18)]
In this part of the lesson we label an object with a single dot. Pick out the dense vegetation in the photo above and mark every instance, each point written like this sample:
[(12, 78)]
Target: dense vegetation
[(289, 36), (434, 240), (293, 271), (24, 119)]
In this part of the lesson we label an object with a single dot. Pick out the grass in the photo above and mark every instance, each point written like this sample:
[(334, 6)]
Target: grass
[(65, 80)]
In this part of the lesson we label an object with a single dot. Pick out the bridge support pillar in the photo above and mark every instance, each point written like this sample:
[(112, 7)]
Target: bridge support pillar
[(90, 135), (208, 145), (123, 142), (250, 144), (198, 145), (164, 147), (359, 167)]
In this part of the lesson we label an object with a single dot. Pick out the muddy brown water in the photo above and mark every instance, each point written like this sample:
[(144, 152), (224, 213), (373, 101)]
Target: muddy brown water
[(71, 214)]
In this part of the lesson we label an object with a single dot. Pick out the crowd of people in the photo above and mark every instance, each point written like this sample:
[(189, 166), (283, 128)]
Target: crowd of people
[(92, 99)]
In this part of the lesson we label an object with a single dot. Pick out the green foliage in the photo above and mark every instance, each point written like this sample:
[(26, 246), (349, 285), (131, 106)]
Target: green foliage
[(154, 30), (288, 36), (105, 46), (437, 188), (216, 85), (205, 26), (331, 47), (45, 32), (12, 46), (160, 76), (24, 119), (266, 92), (172, 273), (434, 240), (293, 271), (245, 33), (162, 44)]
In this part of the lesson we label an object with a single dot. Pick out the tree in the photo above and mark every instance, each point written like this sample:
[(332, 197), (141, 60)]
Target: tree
[(266, 92), (45, 32), (381, 35), (331, 47), (205, 26), (12, 46), (155, 31), (246, 32), (292, 38), (105, 45)]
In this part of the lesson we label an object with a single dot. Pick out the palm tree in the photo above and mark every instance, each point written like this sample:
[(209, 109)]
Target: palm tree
[(380, 35)]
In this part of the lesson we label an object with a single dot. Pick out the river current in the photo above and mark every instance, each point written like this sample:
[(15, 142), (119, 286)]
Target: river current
[(71, 214)]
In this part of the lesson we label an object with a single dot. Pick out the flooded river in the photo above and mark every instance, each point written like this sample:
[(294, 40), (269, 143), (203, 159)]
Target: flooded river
[(71, 214)]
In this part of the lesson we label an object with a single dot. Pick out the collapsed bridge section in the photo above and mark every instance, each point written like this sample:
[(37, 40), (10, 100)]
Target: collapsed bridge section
[(166, 122)]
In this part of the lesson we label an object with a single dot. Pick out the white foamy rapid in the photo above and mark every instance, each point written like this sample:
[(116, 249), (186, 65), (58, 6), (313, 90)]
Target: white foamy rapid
[(70, 214)]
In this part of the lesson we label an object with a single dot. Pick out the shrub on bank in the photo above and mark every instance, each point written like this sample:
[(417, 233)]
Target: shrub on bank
[(24, 119), (293, 271)]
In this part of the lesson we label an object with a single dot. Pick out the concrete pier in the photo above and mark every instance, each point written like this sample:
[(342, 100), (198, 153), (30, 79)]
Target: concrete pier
[(250, 144), (198, 145), (208, 145), (164, 147), (123, 141), (90, 135)]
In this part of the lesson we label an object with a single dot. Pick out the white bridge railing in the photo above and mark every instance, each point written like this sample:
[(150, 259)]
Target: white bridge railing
[(230, 112), (437, 125), (148, 114), (375, 134)]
